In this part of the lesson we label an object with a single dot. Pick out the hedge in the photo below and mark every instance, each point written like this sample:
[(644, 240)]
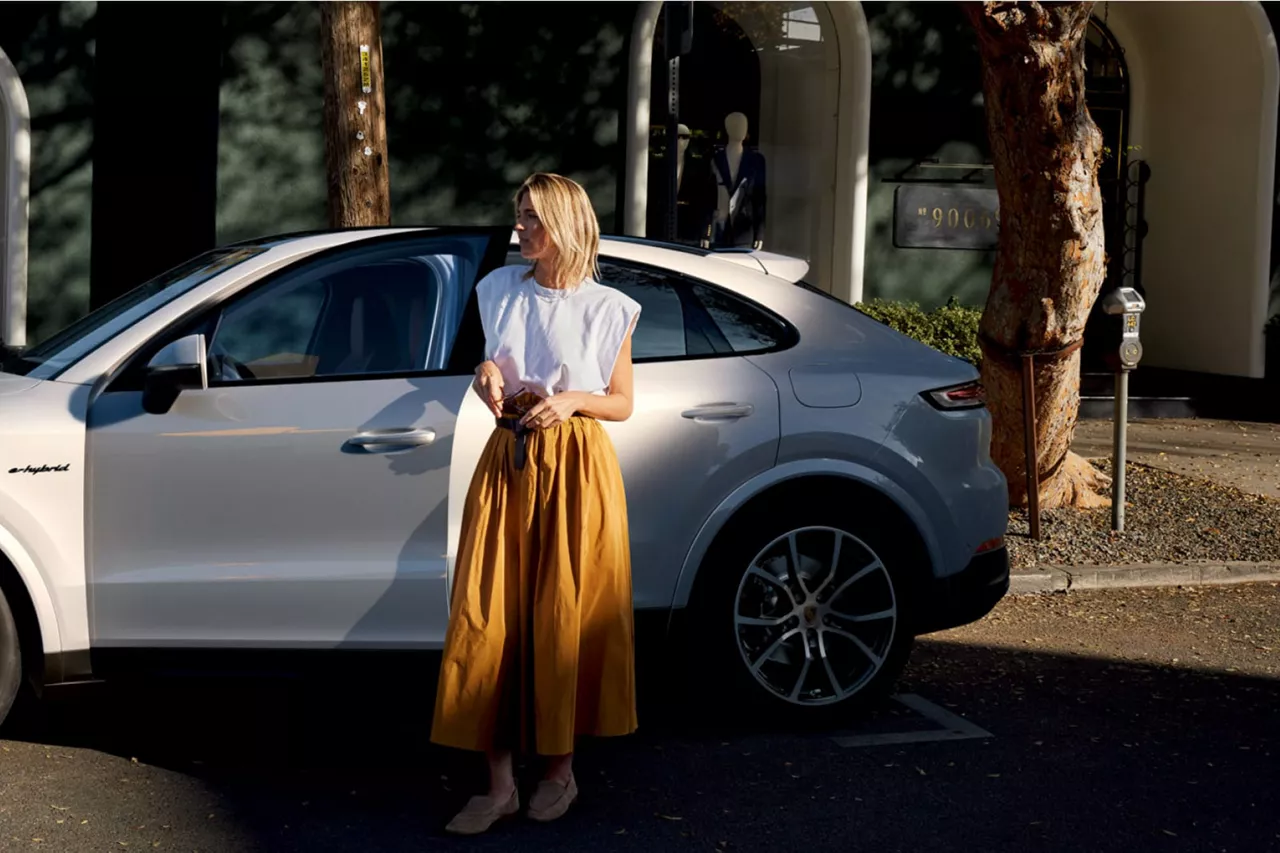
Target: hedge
[(951, 328)]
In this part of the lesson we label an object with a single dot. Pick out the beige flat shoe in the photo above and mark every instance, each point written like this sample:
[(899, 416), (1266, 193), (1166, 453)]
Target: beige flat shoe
[(552, 799), (480, 813)]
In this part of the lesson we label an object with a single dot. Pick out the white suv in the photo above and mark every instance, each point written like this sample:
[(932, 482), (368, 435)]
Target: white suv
[(267, 447)]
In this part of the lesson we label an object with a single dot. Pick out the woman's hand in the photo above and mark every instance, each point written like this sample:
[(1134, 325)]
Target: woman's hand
[(488, 384), (553, 410)]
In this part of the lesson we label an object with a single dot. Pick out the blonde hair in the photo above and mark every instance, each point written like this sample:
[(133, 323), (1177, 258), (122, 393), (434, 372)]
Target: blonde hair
[(565, 211)]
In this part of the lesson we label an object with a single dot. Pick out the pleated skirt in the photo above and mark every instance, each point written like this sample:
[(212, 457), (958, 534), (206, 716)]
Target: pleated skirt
[(540, 644)]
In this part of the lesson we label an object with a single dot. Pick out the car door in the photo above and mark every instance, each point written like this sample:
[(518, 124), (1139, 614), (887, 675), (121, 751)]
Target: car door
[(705, 419), (301, 501)]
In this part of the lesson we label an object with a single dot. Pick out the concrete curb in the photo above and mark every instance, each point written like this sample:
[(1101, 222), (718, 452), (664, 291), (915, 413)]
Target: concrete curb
[(1063, 578)]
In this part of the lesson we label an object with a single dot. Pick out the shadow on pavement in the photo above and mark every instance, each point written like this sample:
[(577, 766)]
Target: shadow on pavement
[(1087, 754)]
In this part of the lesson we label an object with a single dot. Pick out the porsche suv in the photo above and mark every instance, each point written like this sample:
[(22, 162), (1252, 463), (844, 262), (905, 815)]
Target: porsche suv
[(266, 449)]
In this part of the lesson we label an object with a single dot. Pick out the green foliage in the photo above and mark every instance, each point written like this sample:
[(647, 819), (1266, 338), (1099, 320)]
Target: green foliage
[(951, 328)]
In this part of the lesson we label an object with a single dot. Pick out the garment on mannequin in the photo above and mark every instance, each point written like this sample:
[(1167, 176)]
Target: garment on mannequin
[(695, 192), (683, 135), (739, 174)]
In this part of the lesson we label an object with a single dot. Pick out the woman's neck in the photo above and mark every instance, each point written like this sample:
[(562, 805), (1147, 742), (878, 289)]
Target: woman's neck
[(547, 275)]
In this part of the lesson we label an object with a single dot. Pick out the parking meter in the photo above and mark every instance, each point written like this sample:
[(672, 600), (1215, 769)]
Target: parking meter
[(1128, 304)]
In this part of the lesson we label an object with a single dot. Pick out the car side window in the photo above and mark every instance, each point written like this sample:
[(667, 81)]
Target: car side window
[(681, 318), (745, 327), (665, 329), (270, 333), (375, 312)]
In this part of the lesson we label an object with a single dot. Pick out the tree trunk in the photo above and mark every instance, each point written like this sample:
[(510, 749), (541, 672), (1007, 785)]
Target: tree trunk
[(355, 129), (1051, 261)]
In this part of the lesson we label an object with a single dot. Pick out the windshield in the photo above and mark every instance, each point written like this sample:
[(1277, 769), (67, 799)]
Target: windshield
[(97, 327)]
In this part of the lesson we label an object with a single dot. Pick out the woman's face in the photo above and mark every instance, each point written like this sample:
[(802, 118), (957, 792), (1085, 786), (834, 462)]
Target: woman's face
[(534, 243)]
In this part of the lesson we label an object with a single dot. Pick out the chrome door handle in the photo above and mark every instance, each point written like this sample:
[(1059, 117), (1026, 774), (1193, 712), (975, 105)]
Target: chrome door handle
[(719, 412), (393, 438)]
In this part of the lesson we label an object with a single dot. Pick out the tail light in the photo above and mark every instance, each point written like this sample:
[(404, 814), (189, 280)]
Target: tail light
[(970, 395), (990, 545)]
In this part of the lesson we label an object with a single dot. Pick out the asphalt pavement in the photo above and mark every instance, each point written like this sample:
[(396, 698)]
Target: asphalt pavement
[(1124, 719)]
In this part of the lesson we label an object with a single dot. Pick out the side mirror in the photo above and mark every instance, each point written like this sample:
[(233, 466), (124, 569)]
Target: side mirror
[(183, 365)]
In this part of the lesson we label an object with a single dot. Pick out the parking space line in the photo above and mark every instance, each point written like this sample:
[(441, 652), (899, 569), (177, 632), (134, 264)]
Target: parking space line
[(950, 727)]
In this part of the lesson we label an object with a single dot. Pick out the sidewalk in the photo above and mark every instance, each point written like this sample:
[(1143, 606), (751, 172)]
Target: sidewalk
[(1234, 453), (1062, 578), (1245, 456)]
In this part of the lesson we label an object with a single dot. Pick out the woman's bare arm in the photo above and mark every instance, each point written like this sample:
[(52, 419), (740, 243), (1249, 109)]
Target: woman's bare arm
[(616, 405)]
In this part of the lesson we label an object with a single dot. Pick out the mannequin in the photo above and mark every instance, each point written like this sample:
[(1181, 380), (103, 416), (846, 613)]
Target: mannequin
[(695, 192), (735, 128), (739, 174)]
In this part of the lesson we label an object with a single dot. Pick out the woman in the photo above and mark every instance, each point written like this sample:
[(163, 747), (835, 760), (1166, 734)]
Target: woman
[(539, 647)]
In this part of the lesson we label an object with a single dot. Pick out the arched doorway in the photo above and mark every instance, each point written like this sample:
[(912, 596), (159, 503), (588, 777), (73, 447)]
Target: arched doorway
[(1203, 81), (797, 72), (719, 77), (15, 177)]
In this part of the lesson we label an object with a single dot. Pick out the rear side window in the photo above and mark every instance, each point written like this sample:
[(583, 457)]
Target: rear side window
[(661, 332), (745, 327), (681, 318)]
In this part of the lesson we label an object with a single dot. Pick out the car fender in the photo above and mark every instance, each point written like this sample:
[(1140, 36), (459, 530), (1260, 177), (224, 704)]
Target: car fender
[(37, 590), (42, 462), (852, 471)]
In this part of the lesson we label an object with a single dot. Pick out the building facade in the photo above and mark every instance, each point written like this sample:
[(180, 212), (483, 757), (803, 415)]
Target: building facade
[(850, 134)]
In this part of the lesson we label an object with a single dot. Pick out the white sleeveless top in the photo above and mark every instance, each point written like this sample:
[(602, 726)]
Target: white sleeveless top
[(548, 341)]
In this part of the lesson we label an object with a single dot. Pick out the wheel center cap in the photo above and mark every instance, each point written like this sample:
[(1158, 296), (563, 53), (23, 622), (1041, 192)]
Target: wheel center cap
[(811, 614)]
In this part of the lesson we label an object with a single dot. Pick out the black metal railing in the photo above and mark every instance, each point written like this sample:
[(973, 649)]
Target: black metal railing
[(1134, 224)]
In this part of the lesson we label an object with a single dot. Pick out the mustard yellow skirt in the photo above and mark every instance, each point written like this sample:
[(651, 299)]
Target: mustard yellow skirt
[(540, 641)]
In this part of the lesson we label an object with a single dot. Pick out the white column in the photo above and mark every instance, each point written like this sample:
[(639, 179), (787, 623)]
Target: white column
[(15, 166), (849, 236), (639, 81), (1265, 199)]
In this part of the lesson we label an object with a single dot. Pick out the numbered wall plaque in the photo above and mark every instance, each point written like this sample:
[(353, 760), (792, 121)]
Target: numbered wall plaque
[(935, 217)]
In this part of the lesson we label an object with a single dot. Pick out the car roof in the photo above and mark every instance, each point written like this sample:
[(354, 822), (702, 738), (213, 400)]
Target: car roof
[(660, 252), (753, 275), (786, 267)]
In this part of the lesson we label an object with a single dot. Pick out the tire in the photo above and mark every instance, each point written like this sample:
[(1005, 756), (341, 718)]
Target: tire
[(754, 616), (10, 659)]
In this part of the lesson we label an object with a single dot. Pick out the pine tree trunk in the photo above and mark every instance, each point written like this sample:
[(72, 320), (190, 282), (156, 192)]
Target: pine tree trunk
[(355, 130), (1051, 261)]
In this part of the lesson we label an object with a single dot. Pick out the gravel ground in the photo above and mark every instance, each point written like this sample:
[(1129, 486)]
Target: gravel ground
[(1169, 518)]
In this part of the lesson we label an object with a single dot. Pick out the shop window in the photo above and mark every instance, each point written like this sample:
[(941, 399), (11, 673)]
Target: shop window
[(755, 151)]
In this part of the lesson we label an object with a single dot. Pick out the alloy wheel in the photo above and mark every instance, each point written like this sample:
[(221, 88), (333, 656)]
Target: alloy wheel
[(815, 616)]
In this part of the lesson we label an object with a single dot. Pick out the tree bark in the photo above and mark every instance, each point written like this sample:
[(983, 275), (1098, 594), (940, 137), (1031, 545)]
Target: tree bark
[(355, 130), (1051, 260)]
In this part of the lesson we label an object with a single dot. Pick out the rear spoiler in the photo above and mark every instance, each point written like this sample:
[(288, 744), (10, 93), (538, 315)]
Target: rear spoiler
[(784, 267)]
